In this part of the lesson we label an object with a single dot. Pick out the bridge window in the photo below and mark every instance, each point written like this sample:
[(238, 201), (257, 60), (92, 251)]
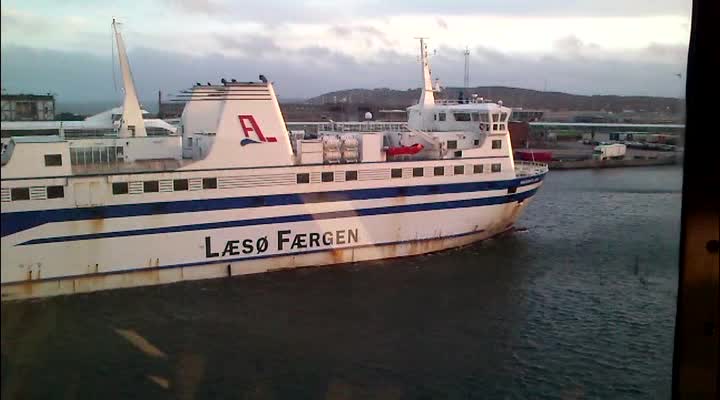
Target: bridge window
[(303, 178), (484, 117), (151, 186), (475, 116), (438, 171), (503, 117), (495, 117), (95, 155), (441, 116), (180, 184), (477, 169), (209, 183), (417, 172), (350, 175), (19, 194), (462, 117), (459, 170), (53, 160), (452, 144), (328, 176), (55, 192), (120, 188), (495, 168), (396, 173), (497, 144)]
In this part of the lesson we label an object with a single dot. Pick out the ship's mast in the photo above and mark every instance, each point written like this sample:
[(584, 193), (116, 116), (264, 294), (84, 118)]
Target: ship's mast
[(466, 78), (427, 96), (132, 123)]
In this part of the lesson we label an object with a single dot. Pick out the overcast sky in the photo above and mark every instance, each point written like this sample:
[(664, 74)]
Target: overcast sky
[(310, 47)]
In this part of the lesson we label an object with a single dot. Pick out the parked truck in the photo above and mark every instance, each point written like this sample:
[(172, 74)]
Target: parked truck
[(609, 151)]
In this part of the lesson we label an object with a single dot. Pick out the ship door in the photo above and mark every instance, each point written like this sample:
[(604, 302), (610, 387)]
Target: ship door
[(87, 194)]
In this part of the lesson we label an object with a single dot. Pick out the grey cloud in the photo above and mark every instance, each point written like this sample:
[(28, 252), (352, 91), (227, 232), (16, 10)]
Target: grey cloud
[(22, 24), (315, 70), (274, 11), (441, 23), (84, 76), (569, 44), (341, 30), (18, 27), (9, 23), (489, 55), (369, 32), (269, 12), (251, 44), (315, 51), (628, 73), (667, 53), (557, 8), (209, 7), (259, 46)]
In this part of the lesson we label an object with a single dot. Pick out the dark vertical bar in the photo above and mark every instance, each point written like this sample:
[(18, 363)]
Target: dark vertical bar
[(696, 356)]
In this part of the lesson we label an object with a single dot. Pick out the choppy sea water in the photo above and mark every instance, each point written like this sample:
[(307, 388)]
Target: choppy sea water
[(580, 305)]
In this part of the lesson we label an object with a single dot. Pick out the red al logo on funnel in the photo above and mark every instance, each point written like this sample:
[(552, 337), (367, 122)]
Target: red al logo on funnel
[(249, 125)]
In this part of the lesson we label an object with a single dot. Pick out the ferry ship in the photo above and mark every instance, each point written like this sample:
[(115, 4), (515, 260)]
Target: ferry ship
[(234, 192)]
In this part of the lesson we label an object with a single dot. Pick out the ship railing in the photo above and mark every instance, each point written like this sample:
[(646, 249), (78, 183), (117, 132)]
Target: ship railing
[(530, 168), (462, 101), (363, 127)]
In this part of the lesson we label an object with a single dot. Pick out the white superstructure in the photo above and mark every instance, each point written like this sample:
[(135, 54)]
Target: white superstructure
[(236, 193)]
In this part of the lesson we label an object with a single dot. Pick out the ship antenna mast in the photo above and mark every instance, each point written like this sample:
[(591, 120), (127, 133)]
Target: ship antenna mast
[(132, 123), (466, 78), (427, 96)]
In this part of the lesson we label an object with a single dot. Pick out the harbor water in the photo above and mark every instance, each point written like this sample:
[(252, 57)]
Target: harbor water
[(579, 302)]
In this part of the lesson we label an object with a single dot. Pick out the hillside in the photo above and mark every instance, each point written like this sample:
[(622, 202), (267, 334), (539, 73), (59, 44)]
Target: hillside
[(513, 97)]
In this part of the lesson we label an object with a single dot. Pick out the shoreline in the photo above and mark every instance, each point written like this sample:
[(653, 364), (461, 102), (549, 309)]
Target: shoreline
[(622, 163)]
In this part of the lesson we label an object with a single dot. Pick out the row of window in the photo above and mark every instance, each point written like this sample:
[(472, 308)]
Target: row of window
[(154, 186), (118, 188), (495, 127), (474, 116), (87, 155), (51, 192), (327, 177), (96, 155), (397, 173), (452, 144)]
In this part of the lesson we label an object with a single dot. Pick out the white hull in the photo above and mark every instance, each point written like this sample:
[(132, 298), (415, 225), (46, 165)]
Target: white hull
[(94, 254), (104, 280)]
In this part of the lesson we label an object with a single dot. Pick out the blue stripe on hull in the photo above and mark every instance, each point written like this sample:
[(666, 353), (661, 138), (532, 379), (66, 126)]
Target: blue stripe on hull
[(14, 222), (445, 205), (239, 259)]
